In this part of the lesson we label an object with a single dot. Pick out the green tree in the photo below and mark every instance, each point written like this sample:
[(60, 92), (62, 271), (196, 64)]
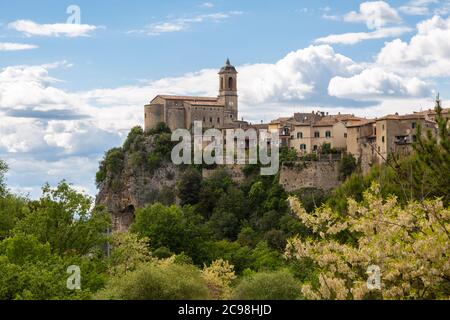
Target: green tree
[(63, 218), (347, 166), (30, 271), (433, 159), (188, 187), (3, 170), (157, 281), (179, 230), (12, 209), (279, 285)]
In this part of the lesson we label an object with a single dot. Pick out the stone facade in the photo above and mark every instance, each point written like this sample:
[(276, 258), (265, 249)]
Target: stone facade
[(180, 112), (310, 174)]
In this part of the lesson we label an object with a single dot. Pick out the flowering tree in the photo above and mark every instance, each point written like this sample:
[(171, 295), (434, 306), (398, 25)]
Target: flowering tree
[(218, 277), (409, 246)]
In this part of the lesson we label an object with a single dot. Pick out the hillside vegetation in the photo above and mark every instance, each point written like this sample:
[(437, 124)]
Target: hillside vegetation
[(219, 239)]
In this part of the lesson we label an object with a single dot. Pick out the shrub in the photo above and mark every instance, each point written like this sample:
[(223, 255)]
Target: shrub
[(157, 281), (280, 285)]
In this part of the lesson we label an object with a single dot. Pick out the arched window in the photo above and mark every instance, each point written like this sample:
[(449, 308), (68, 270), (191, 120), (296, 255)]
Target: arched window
[(222, 80), (230, 83)]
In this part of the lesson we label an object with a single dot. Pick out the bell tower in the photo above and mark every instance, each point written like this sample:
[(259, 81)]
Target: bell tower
[(228, 91)]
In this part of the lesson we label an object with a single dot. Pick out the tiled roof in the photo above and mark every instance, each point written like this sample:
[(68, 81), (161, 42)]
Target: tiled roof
[(361, 122), (187, 98), (402, 117)]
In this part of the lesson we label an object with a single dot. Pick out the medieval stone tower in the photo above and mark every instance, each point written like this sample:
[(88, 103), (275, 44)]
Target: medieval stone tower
[(228, 91), (180, 112)]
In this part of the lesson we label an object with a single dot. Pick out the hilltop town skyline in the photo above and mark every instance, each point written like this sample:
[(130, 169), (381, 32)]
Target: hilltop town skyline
[(68, 94)]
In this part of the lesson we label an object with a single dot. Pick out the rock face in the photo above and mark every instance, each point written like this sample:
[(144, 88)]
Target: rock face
[(133, 184), (310, 174)]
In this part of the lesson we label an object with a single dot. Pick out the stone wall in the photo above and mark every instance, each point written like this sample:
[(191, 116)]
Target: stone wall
[(317, 174)]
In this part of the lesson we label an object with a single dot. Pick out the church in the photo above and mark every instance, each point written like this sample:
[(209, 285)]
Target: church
[(180, 112)]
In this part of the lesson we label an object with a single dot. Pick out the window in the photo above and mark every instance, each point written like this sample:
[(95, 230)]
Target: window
[(414, 137), (414, 125), (218, 120), (328, 134), (299, 135), (315, 148), (231, 103), (382, 139), (204, 120), (230, 83), (303, 147), (383, 126), (210, 119), (317, 134), (345, 135), (231, 116)]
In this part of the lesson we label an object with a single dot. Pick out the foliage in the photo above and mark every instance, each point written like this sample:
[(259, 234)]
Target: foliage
[(64, 219), (164, 280), (180, 230), (3, 170), (161, 127), (218, 277), (433, 159), (409, 244), (311, 197), (112, 163), (188, 187), (127, 253), (12, 209), (30, 271), (288, 155), (279, 285), (347, 166)]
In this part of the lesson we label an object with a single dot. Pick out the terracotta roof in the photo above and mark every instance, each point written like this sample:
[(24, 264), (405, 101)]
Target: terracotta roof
[(326, 122), (361, 122), (186, 98), (402, 117), (279, 120)]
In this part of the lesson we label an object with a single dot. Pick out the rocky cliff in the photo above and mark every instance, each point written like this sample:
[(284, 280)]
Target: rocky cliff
[(135, 175)]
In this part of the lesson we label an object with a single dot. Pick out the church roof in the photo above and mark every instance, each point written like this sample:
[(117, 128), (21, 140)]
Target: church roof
[(186, 98)]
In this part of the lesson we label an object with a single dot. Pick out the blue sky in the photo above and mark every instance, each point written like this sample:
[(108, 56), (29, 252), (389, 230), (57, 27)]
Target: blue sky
[(68, 93)]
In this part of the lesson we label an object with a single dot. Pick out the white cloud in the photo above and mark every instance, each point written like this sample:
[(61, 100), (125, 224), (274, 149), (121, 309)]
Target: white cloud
[(207, 5), (29, 88), (48, 134), (30, 28), (377, 83), (9, 46), (356, 37), (331, 17), (417, 7), (181, 24), (427, 54), (375, 14)]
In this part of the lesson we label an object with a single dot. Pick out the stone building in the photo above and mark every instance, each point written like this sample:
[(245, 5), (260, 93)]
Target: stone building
[(180, 112), (373, 141), (308, 132)]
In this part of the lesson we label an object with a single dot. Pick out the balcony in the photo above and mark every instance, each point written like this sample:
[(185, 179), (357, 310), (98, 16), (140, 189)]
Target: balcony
[(403, 140)]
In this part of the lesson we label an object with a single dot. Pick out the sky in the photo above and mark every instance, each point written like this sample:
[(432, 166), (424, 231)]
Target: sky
[(75, 75)]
